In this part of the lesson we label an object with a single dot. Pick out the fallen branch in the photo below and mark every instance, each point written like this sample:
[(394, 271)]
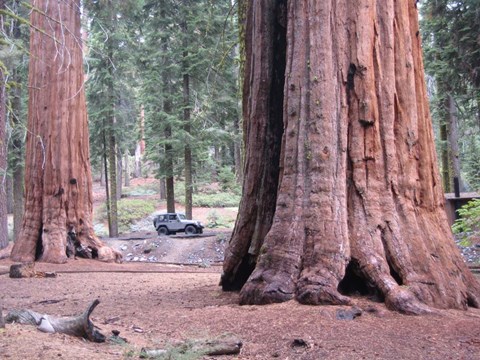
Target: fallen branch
[(79, 326), (210, 347)]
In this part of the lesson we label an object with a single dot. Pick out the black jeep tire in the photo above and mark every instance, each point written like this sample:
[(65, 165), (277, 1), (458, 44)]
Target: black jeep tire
[(162, 231), (190, 230)]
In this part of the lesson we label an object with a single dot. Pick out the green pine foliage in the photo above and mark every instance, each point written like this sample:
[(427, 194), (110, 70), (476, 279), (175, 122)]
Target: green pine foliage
[(469, 221), (14, 57), (211, 61), (110, 65), (450, 33)]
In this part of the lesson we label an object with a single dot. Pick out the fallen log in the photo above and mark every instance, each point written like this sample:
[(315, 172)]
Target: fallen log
[(79, 326), (209, 347)]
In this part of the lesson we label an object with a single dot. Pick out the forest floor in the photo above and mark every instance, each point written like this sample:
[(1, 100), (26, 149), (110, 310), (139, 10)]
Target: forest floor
[(168, 292)]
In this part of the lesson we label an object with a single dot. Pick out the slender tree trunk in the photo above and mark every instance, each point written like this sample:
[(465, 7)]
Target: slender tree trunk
[(58, 182), (3, 157), (187, 127), (18, 193), (360, 206), (237, 151), (112, 160), (17, 142), (119, 173), (140, 148), (102, 176), (444, 158), (127, 169), (138, 162), (237, 122), (17, 154), (3, 146), (112, 142), (105, 172), (169, 180), (9, 193), (163, 189), (453, 139), (167, 109)]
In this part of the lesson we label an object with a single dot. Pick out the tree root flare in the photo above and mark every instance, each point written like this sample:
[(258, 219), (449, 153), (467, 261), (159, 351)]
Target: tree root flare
[(402, 300), (108, 254), (265, 288), (312, 294)]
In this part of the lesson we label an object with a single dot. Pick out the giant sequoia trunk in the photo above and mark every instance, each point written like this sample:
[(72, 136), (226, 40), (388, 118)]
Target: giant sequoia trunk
[(58, 188), (341, 191)]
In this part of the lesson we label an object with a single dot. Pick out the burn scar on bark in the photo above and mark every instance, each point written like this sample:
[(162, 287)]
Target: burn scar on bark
[(411, 139), (60, 192), (352, 69)]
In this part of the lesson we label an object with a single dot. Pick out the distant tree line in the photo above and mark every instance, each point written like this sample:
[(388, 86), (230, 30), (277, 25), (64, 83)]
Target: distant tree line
[(451, 44)]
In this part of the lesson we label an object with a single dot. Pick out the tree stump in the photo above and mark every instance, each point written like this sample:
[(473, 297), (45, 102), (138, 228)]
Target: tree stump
[(27, 270)]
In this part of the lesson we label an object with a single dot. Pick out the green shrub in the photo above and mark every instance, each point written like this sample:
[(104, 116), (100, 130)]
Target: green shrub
[(142, 190), (129, 211), (221, 199), (227, 178), (217, 221), (469, 221), (203, 198)]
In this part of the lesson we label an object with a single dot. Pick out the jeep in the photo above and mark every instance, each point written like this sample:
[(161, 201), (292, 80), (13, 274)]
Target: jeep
[(171, 223)]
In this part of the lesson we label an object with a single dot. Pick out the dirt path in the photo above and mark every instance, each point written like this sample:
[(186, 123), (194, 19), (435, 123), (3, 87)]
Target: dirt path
[(204, 249), (156, 304)]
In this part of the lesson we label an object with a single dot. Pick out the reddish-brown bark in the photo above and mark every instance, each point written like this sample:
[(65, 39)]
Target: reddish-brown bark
[(360, 205), (58, 188)]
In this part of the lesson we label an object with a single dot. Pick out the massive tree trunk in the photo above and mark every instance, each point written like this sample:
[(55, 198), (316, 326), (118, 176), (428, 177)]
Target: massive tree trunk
[(343, 131), (58, 184)]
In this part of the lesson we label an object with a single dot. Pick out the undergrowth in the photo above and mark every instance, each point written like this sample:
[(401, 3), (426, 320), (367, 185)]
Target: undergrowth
[(469, 222), (129, 211), (142, 190), (207, 197)]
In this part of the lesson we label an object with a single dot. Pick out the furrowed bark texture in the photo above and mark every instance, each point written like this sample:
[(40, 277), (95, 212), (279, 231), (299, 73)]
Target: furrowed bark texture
[(360, 205), (262, 106), (58, 189)]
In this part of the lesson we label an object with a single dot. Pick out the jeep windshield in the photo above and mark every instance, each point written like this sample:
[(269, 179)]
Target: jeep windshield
[(182, 217)]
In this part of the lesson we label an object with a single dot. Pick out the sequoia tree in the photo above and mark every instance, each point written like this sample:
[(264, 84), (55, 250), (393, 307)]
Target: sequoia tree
[(341, 191), (58, 185)]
